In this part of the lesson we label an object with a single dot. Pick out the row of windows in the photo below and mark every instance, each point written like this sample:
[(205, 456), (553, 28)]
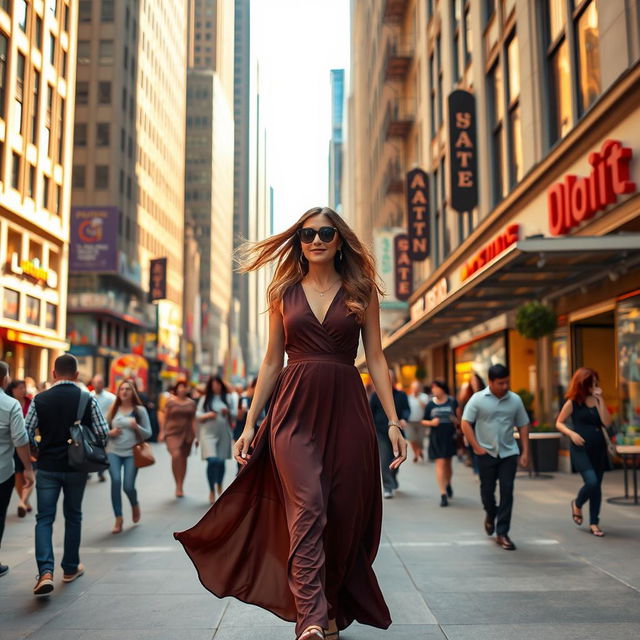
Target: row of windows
[(85, 10), (13, 302)]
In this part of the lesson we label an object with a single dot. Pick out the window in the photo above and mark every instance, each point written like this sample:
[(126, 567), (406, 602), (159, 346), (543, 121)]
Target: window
[(84, 51), (45, 191), (467, 35), (106, 52), (20, 9), (103, 134), (104, 93), (124, 99), (51, 316), (15, 170), (31, 184), (52, 49), (101, 178), (34, 106), (52, 5), (80, 134), (458, 69), (84, 10), (38, 38), (18, 101), (106, 13), (79, 176), (571, 60), (496, 97), (11, 304), (63, 64), (82, 92), (123, 138), (60, 129), (33, 310), (515, 124), (3, 71)]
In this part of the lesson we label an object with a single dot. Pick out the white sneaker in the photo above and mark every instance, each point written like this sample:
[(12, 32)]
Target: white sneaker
[(388, 494)]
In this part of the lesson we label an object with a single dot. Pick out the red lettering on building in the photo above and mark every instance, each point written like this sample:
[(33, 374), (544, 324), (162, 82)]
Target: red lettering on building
[(491, 250), (577, 198)]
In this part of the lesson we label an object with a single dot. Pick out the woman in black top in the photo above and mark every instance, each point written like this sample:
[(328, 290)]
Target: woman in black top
[(440, 415), (585, 406)]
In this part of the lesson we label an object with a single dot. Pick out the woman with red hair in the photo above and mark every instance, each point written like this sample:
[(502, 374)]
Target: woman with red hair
[(585, 406)]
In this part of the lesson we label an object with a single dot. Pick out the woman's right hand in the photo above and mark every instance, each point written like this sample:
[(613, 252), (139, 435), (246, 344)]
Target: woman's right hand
[(577, 439), (115, 432), (242, 444)]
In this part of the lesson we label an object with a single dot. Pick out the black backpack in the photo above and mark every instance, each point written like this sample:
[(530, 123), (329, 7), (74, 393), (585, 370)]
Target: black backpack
[(85, 452)]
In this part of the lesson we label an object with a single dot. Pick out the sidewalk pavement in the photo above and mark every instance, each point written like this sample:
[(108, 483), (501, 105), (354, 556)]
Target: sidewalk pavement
[(442, 577)]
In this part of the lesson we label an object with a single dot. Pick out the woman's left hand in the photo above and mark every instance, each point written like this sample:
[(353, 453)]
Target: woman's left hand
[(398, 445)]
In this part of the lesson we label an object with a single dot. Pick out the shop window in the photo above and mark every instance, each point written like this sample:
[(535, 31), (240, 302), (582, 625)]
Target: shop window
[(572, 61), (478, 356), (10, 304), (32, 309), (51, 317), (628, 330)]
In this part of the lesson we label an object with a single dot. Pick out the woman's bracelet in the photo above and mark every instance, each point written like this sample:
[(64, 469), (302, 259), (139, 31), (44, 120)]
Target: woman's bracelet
[(393, 423)]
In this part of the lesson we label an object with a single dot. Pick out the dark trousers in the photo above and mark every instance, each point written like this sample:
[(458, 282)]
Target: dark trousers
[(389, 477), (494, 471), (215, 471), (6, 489), (48, 487), (591, 491)]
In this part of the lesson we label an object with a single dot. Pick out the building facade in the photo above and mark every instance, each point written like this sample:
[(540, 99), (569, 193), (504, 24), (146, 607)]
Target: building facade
[(128, 183), (37, 75), (335, 144), (522, 117)]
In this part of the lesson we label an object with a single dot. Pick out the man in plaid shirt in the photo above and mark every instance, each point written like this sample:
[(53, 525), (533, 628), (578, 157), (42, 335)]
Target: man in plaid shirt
[(51, 413)]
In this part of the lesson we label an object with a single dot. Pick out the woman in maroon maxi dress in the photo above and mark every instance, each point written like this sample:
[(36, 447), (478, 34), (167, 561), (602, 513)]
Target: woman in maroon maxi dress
[(297, 531)]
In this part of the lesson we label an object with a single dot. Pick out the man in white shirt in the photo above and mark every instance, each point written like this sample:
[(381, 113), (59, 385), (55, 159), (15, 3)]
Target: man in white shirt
[(418, 400), (105, 399), (13, 436)]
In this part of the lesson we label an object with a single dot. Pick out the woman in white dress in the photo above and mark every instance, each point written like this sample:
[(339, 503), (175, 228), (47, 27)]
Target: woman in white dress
[(214, 416)]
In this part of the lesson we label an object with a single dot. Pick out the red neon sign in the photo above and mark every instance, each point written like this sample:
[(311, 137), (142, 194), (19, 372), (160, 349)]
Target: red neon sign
[(578, 198), (494, 248)]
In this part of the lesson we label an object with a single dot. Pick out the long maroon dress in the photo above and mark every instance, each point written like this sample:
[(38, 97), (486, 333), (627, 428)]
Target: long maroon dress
[(301, 522)]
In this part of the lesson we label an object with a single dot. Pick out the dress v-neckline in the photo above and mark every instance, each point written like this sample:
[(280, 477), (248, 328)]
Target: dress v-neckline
[(304, 295)]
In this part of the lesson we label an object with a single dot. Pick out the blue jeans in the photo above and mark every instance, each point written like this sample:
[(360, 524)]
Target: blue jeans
[(48, 487), (116, 465), (215, 471), (591, 491)]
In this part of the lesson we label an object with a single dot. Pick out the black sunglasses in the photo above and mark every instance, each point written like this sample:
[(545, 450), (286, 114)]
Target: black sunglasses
[(307, 234)]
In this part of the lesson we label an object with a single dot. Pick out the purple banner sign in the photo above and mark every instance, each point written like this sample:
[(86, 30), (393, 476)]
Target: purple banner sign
[(94, 239)]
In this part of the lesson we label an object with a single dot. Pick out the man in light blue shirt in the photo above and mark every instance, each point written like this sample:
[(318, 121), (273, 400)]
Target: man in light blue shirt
[(13, 436), (494, 412)]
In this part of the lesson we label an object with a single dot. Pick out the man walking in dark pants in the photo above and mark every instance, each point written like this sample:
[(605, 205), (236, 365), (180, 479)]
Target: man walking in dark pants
[(53, 412), (495, 411), (13, 437), (401, 402)]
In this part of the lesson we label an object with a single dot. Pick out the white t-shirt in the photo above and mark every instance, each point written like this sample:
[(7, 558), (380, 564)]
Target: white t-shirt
[(417, 405)]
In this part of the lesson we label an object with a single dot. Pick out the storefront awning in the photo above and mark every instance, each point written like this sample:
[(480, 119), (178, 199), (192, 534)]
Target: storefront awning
[(531, 269)]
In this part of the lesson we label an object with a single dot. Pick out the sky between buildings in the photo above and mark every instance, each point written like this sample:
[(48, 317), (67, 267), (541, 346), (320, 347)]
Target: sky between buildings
[(297, 43)]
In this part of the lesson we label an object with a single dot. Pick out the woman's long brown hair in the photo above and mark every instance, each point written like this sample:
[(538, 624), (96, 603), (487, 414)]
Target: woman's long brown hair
[(117, 402), (357, 267), (580, 385)]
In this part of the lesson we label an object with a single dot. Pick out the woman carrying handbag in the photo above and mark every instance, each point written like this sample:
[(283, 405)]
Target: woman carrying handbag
[(128, 426)]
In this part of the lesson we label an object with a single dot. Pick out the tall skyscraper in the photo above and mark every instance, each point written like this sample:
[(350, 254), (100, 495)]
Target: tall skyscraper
[(128, 181), (241, 113), (335, 145), (37, 76), (209, 176)]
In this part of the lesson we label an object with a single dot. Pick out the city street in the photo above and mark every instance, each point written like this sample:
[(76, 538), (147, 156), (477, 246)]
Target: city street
[(441, 576)]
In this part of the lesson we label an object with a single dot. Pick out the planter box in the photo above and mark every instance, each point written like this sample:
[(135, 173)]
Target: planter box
[(544, 454)]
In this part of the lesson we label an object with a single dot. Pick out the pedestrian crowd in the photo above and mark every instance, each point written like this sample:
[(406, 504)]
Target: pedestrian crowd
[(477, 426)]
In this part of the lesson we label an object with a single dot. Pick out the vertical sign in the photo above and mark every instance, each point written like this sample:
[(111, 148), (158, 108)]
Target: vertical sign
[(462, 151), (93, 240), (418, 209), (158, 279), (404, 266)]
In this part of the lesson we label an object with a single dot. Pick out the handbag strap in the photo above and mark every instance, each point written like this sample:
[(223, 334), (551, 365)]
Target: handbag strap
[(82, 405)]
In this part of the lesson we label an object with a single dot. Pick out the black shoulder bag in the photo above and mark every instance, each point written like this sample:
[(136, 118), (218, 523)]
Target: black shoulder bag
[(85, 453)]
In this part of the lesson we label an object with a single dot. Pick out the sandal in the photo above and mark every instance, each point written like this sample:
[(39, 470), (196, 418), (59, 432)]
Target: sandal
[(311, 632), (596, 531), (577, 517)]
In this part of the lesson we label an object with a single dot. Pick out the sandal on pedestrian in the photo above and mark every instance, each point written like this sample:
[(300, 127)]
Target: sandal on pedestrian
[(117, 527), (311, 632), (596, 531), (577, 517)]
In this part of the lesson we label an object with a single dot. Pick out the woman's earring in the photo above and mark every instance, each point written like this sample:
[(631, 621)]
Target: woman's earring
[(340, 256)]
